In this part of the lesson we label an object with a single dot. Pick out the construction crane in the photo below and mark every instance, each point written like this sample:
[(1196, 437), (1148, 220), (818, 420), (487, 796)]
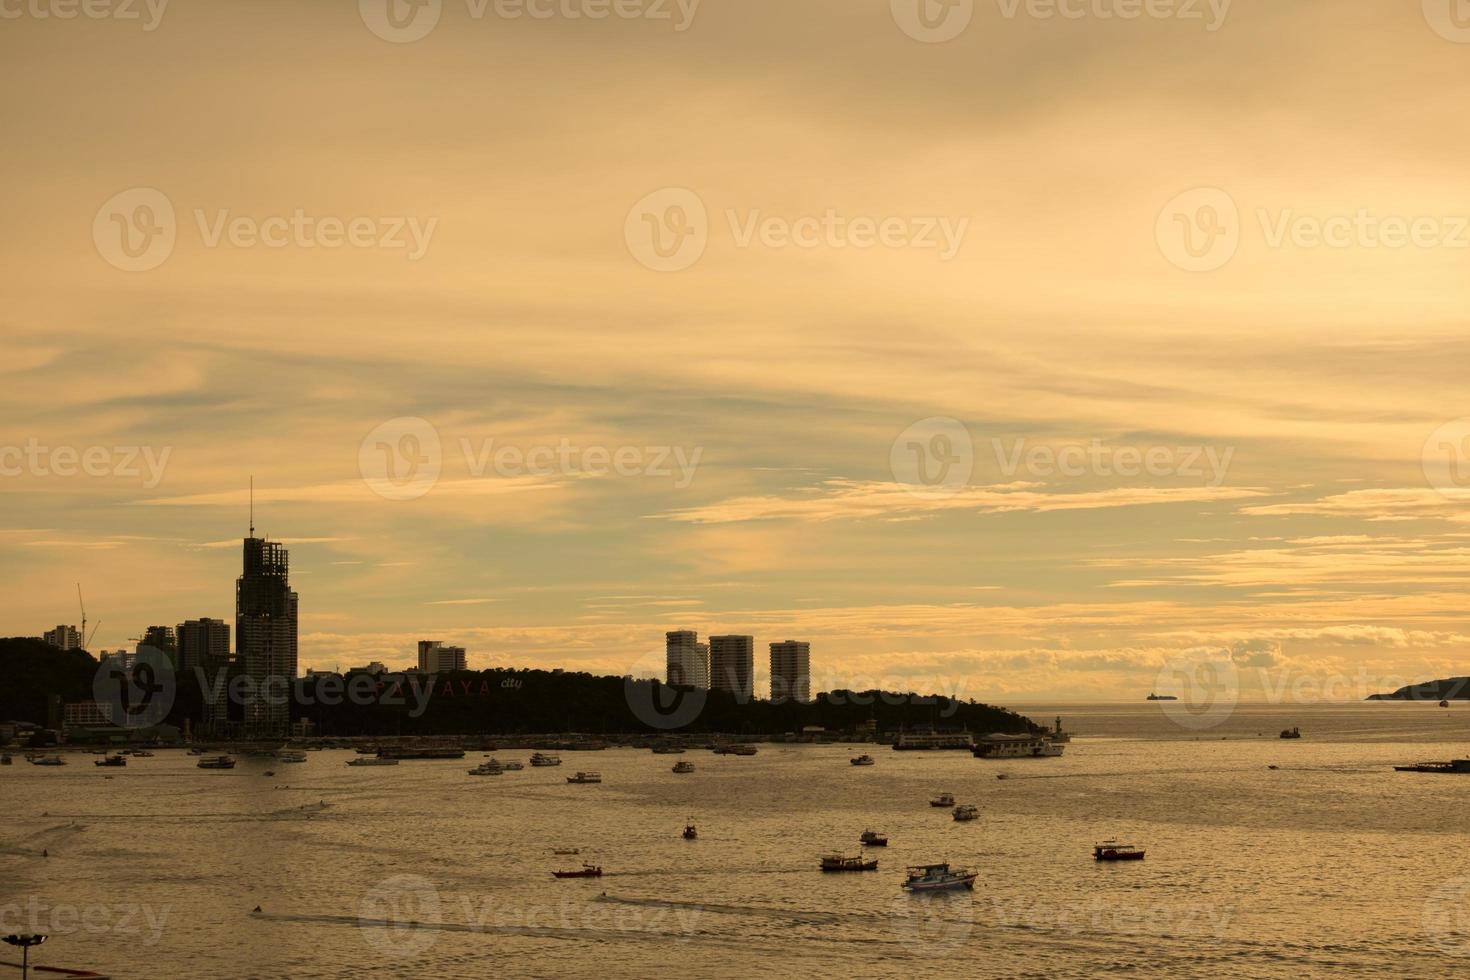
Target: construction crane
[(86, 637)]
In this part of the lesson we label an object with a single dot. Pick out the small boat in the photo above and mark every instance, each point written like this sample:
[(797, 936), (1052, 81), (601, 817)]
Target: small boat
[(1111, 850), (371, 761), (290, 755), (47, 760), (943, 799), (839, 862), (269, 772), (938, 877), (142, 754), (1002, 775), (683, 766), (539, 759), (588, 871), (566, 850), (689, 832), (871, 838), (1292, 733), (585, 777), (863, 760), (113, 761), (966, 811), (1444, 704), (217, 762)]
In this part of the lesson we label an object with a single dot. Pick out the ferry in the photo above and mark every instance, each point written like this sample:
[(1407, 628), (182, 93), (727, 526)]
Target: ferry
[(1111, 850), (372, 761), (585, 777), (938, 877), (871, 838), (933, 741), (1454, 766), (682, 766), (943, 799), (540, 759), (1004, 746), (838, 862), (217, 762), (966, 811), (863, 760), (1161, 697), (588, 871), (114, 761)]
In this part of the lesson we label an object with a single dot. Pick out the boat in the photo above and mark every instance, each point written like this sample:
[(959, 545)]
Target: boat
[(683, 766), (871, 838), (1454, 766), (113, 761), (840, 862), (1111, 850), (667, 750), (585, 777), (486, 769), (938, 877), (1161, 697), (512, 766), (1444, 704), (863, 760), (734, 750), (425, 752), (47, 760), (1291, 733), (1005, 746), (142, 754), (566, 850), (540, 759), (372, 761), (932, 741), (689, 832), (6, 760), (290, 755), (966, 811), (217, 762), (943, 799), (588, 871), (269, 772)]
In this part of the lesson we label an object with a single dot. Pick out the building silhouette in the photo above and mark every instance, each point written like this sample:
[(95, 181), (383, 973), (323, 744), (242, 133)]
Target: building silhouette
[(63, 638), (732, 666), (265, 636), (202, 640), (686, 660), (791, 671), (436, 658)]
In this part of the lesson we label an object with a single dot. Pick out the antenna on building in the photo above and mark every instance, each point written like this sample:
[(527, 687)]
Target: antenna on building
[(252, 506)]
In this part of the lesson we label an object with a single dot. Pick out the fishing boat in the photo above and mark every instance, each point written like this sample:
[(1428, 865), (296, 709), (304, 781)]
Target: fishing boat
[(217, 762), (966, 811), (112, 761), (871, 838), (840, 862), (943, 799), (689, 832), (683, 766), (540, 759), (1111, 850), (938, 877), (371, 761), (585, 777), (1292, 733), (587, 871)]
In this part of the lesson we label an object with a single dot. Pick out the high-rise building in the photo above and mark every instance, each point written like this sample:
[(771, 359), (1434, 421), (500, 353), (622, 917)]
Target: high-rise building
[(791, 671), (732, 666), (686, 660), (160, 638), (436, 658), (200, 640), (265, 637), (63, 638)]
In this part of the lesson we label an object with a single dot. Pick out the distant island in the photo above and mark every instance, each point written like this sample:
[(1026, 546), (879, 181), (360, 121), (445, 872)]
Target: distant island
[(1449, 689)]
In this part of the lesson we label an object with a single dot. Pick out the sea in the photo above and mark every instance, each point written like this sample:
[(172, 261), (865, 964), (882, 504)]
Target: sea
[(1265, 858)]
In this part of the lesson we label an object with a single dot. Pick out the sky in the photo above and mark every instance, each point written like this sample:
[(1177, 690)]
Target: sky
[(1014, 349)]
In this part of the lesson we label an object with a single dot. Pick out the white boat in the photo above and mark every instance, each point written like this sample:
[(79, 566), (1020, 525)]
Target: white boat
[(371, 761), (932, 741), (585, 777), (47, 760), (540, 759), (938, 877), (487, 769), (217, 762), (966, 811), (1002, 746), (863, 760)]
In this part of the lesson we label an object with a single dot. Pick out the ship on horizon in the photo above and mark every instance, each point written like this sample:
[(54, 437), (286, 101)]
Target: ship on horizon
[(1162, 697)]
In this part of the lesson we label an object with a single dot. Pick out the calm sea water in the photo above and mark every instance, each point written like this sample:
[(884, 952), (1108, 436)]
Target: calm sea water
[(1330, 864)]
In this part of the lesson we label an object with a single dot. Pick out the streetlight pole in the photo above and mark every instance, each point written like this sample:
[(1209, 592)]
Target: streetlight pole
[(25, 943)]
